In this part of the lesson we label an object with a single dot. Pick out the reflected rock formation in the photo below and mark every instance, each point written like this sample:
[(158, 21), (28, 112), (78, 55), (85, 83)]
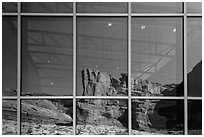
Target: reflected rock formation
[(147, 115)]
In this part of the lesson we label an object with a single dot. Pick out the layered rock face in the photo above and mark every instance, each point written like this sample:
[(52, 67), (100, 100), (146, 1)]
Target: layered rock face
[(145, 88), (97, 83)]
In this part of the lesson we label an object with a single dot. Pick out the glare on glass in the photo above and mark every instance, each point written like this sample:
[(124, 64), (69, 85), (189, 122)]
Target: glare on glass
[(47, 56), (101, 56), (9, 56), (194, 7), (194, 57), (156, 57), (9, 7), (102, 7), (47, 7), (156, 7)]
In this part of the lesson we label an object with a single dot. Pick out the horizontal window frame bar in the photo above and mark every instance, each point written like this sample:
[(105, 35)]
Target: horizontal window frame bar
[(102, 97), (9, 14), (9, 97), (102, 14), (46, 97), (157, 97), (194, 98), (47, 14), (194, 14), (107, 14), (157, 14)]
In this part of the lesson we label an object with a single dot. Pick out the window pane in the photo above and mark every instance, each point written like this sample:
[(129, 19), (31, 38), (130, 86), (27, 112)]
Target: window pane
[(194, 57), (9, 56), (47, 56), (157, 117), (102, 7), (157, 7), (101, 56), (102, 117), (47, 117), (9, 7), (157, 63), (194, 7), (195, 117), (9, 117), (50, 7)]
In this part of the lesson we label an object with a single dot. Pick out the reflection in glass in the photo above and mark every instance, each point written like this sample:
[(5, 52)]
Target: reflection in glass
[(194, 56), (9, 56), (157, 117), (102, 117), (156, 7), (47, 56), (9, 117), (47, 117), (47, 7), (9, 7), (194, 7), (101, 56), (102, 7), (195, 117), (157, 63)]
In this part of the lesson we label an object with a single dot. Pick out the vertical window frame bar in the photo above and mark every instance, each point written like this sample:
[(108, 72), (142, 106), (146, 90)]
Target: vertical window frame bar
[(129, 70), (74, 69), (185, 69), (19, 70)]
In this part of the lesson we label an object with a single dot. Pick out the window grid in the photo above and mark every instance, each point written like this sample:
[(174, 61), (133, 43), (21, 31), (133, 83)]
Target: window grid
[(185, 15)]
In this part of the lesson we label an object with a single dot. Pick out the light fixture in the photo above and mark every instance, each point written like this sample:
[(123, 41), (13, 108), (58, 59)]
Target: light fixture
[(109, 24), (174, 30), (48, 61), (143, 27), (117, 68), (51, 83), (96, 66)]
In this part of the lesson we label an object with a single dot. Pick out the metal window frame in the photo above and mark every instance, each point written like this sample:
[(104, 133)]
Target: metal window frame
[(74, 97)]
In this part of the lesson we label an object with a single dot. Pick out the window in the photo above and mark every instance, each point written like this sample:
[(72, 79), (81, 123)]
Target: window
[(47, 56), (101, 68)]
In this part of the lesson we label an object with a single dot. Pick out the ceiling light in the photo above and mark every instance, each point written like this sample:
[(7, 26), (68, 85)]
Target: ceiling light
[(51, 83), (109, 24), (143, 27), (174, 30), (117, 68), (96, 66), (48, 61)]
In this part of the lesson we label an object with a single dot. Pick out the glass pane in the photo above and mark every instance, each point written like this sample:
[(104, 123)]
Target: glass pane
[(102, 117), (102, 7), (194, 7), (47, 56), (157, 117), (194, 56), (9, 117), (157, 63), (9, 56), (47, 117), (157, 7), (195, 117), (47, 7), (101, 56), (9, 7)]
